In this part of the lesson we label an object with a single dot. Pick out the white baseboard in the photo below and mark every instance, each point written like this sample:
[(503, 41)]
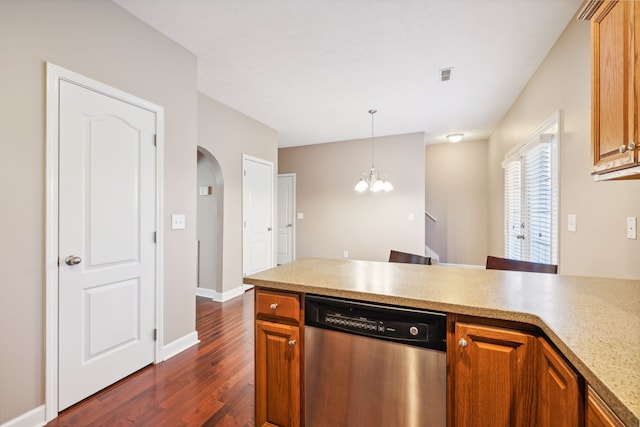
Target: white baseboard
[(224, 296), (447, 264), (33, 418), (180, 345)]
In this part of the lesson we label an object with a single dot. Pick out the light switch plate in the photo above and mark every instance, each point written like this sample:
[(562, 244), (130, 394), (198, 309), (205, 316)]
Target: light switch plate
[(571, 223), (632, 228), (300, 215), (178, 222)]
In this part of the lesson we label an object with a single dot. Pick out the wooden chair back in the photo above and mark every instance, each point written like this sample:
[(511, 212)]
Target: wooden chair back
[(496, 263), (407, 258)]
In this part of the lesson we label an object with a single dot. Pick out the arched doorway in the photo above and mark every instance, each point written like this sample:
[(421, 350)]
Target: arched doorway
[(210, 199)]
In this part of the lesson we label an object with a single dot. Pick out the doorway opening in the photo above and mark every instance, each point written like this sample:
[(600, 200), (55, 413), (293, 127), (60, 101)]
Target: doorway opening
[(209, 223)]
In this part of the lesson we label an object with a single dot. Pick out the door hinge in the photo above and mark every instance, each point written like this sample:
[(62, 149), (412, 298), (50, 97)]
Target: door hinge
[(155, 334), (155, 237), (155, 140), (244, 172)]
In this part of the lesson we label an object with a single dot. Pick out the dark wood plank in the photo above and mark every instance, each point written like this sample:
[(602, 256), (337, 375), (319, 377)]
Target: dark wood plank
[(407, 258), (211, 384), (496, 263)]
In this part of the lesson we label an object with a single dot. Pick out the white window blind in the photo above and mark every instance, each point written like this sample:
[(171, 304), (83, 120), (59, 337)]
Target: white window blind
[(531, 197)]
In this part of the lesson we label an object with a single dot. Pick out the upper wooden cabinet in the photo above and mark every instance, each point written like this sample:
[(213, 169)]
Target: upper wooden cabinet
[(615, 39)]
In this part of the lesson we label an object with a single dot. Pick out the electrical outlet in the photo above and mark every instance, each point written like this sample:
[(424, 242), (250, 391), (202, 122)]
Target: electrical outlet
[(631, 228), (345, 254)]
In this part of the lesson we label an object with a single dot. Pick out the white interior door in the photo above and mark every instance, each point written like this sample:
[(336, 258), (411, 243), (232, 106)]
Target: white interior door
[(286, 212), (106, 241), (257, 208)]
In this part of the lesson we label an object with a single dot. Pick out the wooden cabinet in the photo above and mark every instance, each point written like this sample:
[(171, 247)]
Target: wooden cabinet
[(278, 362), (559, 398), (615, 37), (493, 377), (598, 413), (509, 378)]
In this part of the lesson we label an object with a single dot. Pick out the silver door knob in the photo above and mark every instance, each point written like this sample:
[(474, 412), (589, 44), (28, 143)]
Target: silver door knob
[(73, 260), (292, 343), (462, 343), (269, 229), (289, 225), (273, 306)]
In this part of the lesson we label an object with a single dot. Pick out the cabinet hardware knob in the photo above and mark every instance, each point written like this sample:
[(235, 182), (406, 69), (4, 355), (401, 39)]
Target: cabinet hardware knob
[(632, 146), (622, 148), (292, 342), (462, 343), (273, 306)]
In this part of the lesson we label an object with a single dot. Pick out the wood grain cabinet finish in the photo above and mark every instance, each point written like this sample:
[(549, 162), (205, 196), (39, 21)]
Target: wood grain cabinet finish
[(559, 398), (598, 413), (509, 377), (615, 38), (278, 361), (493, 377)]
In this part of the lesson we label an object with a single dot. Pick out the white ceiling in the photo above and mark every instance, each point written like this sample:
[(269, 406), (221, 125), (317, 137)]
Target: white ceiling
[(311, 69)]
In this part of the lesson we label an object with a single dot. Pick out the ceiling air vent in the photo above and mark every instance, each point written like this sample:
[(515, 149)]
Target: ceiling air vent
[(445, 74)]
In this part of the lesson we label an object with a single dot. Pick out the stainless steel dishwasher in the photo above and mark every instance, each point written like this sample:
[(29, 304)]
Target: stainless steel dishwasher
[(373, 365)]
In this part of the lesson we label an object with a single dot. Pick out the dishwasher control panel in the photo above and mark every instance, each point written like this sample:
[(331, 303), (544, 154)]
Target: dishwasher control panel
[(398, 324)]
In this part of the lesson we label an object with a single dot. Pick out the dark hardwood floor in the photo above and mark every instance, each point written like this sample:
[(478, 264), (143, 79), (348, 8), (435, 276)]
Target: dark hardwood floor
[(211, 384)]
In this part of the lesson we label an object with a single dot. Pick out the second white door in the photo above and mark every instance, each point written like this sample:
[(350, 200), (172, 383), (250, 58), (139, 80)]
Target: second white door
[(286, 212), (257, 211)]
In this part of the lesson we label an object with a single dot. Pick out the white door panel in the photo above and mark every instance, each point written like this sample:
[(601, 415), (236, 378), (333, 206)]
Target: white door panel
[(286, 208), (257, 196), (107, 218)]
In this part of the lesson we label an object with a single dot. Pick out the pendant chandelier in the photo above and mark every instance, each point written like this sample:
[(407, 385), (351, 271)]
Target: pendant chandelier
[(371, 180)]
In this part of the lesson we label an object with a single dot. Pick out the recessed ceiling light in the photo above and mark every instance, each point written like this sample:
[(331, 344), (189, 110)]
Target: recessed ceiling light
[(455, 137)]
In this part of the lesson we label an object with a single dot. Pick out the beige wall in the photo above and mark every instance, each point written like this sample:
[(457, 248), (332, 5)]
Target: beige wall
[(599, 247), (227, 135), (457, 195), (100, 40), (338, 219)]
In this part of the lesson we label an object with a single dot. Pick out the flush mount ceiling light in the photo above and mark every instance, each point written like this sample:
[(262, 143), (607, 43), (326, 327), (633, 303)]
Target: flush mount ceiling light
[(371, 180), (455, 137)]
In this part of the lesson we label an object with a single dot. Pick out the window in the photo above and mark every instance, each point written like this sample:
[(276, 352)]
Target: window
[(531, 196)]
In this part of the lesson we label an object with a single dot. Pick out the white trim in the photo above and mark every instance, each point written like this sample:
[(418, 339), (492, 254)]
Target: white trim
[(222, 296), (180, 345), (54, 75), (33, 418)]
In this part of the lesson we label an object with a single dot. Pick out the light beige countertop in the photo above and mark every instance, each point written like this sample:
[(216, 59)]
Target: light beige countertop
[(594, 322)]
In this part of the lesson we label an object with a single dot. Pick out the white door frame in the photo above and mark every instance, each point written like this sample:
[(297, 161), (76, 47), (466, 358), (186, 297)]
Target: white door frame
[(293, 215), (246, 157), (54, 75)]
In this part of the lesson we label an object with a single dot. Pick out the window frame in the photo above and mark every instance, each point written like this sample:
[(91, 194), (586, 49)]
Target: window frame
[(542, 134)]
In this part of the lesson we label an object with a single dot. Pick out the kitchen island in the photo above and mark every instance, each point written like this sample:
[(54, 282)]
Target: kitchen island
[(593, 322)]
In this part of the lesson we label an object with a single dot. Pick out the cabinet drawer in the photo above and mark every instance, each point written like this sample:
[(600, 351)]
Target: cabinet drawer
[(278, 305)]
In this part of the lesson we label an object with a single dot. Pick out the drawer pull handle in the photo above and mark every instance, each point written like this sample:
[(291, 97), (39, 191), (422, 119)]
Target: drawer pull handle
[(292, 343), (462, 343), (274, 306)]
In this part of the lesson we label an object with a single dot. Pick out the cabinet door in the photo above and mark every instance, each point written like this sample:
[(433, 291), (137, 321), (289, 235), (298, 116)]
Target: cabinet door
[(615, 90), (278, 386), (598, 413), (494, 377), (558, 391)]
